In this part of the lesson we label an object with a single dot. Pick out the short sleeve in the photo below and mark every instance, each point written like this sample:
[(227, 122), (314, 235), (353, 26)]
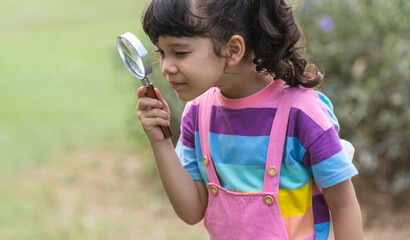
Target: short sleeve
[(328, 161), (185, 148), (317, 129)]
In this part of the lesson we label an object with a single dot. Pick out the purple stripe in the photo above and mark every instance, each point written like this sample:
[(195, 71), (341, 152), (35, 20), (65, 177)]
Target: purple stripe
[(186, 140), (303, 127), (243, 122), (258, 122), (320, 209), (188, 126), (324, 147)]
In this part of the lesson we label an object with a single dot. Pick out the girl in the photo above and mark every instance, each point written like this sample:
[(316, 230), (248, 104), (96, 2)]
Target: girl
[(259, 156)]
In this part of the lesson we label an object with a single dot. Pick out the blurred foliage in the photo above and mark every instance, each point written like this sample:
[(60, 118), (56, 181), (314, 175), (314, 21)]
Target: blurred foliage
[(363, 49)]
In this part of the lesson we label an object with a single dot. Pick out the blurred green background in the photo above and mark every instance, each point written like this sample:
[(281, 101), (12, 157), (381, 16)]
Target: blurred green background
[(75, 164)]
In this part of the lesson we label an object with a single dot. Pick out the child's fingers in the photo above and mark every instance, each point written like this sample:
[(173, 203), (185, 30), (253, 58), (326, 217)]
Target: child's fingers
[(149, 122), (148, 103), (141, 92), (152, 118), (153, 113)]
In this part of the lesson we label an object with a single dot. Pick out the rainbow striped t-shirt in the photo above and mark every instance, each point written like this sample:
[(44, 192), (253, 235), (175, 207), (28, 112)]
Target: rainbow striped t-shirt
[(313, 157)]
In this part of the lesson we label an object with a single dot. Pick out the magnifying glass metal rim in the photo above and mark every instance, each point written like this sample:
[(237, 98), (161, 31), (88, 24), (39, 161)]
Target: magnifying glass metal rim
[(146, 65), (141, 51)]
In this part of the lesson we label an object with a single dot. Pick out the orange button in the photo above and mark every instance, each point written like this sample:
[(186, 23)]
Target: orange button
[(272, 171), (214, 190), (205, 160), (268, 200)]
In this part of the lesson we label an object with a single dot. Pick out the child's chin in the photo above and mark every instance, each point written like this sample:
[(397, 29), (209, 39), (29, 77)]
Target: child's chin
[(185, 97)]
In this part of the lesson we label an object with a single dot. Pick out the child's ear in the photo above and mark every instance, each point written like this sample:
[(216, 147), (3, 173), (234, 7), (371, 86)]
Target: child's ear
[(234, 50)]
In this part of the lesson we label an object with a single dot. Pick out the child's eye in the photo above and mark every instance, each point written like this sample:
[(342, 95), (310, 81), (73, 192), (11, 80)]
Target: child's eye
[(181, 53), (160, 52)]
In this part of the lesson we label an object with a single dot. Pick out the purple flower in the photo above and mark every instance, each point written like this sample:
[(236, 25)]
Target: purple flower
[(326, 23)]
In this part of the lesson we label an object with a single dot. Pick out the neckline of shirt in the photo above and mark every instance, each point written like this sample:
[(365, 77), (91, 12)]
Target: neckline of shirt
[(249, 100)]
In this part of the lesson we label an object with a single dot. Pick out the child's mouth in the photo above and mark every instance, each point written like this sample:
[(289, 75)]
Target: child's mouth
[(176, 86)]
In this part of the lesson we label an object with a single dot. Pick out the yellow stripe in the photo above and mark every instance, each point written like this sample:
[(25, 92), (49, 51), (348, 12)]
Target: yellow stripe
[(295, 202), (247, 192)]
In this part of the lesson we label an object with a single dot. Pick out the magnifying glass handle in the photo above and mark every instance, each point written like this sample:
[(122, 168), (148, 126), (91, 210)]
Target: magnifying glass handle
[(151, 93)]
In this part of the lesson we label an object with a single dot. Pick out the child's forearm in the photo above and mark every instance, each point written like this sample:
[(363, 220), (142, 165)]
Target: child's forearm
[(347, 223), (188, 197)]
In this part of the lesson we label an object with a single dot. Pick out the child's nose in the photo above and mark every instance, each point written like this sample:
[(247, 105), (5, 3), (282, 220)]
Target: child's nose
[(168, 66)]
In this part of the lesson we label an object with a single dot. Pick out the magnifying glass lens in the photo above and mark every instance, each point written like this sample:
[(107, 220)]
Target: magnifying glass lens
[(132, 58)]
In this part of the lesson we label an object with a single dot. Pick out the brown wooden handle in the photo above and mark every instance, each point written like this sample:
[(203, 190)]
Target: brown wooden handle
[(151, 93)]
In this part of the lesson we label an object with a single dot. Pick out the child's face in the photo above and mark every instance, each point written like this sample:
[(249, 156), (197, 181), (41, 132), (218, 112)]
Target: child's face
[(190, 65)]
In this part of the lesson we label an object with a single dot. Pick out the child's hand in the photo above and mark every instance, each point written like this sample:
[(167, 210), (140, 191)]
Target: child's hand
[(152, 113)]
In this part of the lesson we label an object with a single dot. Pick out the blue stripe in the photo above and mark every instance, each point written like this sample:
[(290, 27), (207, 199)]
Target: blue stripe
[(294, 173), (250, 178), (322, 231), (293, 151), (202, 170), (329, 109), (188, 160), (333, 170), (241, 178), (294, 176), (239, 174), (238, 150)]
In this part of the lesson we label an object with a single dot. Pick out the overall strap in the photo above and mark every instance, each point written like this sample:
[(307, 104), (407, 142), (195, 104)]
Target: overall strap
[(205, 107), (277, 139)]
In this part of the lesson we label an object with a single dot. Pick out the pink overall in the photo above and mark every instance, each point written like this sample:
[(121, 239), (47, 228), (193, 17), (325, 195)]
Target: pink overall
[(247, 216)]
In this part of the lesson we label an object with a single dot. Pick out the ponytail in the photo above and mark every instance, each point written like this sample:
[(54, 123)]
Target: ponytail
[(274, 36)]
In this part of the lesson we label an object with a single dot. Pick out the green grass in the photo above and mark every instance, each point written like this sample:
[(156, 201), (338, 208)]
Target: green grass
[(67, 112), (62, 83), (89, 194)]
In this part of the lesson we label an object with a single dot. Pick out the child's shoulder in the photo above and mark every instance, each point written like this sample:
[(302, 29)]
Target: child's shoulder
[(307, 98), (316, 106)]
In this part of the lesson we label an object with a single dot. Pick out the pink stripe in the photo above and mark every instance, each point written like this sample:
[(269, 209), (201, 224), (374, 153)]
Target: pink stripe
[(298, 227), (271, 101), (310, 238), (251, 100), (315, 189), (319, 114)]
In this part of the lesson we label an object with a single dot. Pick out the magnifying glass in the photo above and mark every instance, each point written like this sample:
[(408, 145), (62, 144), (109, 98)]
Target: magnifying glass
[(135, 57)]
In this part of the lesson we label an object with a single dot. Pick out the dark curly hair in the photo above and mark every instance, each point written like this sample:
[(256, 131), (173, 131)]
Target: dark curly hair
[(268, 27)]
